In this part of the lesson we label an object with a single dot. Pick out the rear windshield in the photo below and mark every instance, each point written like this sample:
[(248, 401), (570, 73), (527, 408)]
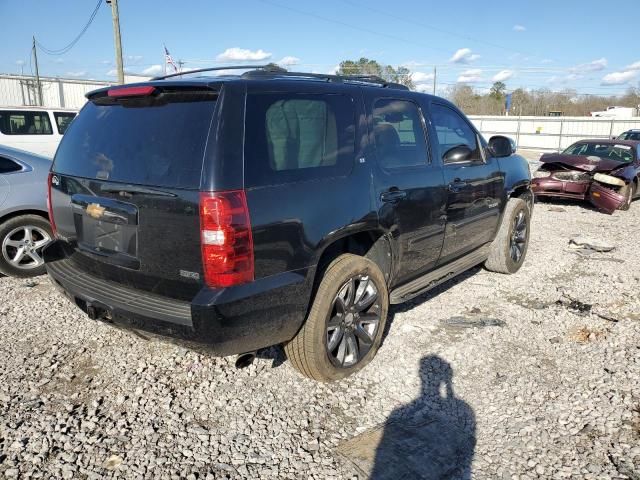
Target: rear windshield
[(158, 142)]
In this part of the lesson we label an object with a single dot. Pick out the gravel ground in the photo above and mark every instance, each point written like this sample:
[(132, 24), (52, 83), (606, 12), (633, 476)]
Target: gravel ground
[(539, 371)]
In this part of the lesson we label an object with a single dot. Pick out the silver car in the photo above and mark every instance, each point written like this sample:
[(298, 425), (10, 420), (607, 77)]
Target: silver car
[(24, 221)]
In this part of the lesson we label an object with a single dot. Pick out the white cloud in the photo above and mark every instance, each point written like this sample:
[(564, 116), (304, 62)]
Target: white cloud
[(19, 62), (619, 78), (519, 28), (424, 88), (152, 70), (81, 73), (564, 79), (464, 55), (134, 58), (288, 61), (594, 66), (633, 66), (242, 54), (421, 77), (503, 75), (112, 73), (473, 75), (58, 60), (106, 62)]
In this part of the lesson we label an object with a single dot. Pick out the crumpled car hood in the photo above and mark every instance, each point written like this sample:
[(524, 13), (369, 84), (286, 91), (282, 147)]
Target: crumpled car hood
[(583, 162)]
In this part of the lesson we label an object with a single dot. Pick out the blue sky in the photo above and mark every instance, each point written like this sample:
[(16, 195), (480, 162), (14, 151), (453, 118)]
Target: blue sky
[(532, 44)]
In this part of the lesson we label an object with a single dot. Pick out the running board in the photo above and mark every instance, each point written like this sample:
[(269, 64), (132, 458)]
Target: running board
[(439, 275)]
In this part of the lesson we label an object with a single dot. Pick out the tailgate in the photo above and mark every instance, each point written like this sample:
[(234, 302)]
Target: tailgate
[(125, 189)]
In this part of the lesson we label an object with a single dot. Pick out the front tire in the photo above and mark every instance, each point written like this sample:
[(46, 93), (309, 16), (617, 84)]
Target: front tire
[(629, 192), (346, 322), (509, 248), (22, 239)]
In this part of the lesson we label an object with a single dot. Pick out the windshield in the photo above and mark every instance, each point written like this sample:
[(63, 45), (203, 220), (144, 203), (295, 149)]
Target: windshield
[(629, 136), (159, 142), (619, 153)]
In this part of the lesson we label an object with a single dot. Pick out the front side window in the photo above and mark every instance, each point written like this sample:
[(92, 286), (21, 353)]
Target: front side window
[(24, 123), (399, 134), (9, 166), (294, 137), (453, 131), (63, 120)]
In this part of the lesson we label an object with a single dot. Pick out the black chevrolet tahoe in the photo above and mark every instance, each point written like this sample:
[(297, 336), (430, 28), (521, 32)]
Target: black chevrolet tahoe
[(238, 212)]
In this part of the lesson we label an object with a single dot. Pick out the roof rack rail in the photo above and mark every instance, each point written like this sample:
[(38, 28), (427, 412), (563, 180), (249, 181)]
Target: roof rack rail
[(267, 68), (364, 79), (271, 70)]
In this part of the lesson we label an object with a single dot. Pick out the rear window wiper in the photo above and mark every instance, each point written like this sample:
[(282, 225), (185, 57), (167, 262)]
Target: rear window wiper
[(134, 189)]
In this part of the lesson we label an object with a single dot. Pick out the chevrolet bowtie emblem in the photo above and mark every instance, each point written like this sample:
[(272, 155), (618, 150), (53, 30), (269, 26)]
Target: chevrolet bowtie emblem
[(94, 210)]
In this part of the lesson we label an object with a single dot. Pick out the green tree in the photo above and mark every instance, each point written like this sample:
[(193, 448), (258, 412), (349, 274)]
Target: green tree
[(498, 90), (365, 66)]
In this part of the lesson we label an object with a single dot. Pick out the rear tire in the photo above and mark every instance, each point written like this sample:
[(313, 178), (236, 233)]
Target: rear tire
[(324, 348), (22, 239), (509, 248)]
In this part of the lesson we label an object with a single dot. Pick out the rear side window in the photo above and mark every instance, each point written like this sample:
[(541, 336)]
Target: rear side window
[(399, 134), (157, 141), (8, 166), (24, 123), (63, 120), (294, 137)]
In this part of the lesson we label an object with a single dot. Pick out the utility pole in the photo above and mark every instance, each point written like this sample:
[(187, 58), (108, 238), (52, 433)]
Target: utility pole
[(180, 64), (434, 79), (118, 40), (38, 84)]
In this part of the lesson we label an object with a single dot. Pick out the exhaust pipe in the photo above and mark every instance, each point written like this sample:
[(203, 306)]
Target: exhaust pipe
[(245, 359)]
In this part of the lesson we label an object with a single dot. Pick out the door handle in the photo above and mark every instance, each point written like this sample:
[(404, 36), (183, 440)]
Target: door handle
[(457, 185), (393, 195)]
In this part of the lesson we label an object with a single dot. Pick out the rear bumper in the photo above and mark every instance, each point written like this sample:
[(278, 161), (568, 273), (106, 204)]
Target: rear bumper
[(223, 322)]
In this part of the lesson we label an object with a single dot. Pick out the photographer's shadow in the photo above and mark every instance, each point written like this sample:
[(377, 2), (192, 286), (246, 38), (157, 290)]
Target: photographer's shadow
[(433, 437)]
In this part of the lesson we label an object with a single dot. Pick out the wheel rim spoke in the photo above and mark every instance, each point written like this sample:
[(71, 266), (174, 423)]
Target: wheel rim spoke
[(18, 256), (37, 259), (335, 339), (352, 349)]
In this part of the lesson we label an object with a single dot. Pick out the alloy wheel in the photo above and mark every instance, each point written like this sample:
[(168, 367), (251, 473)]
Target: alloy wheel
[(353, 322), (518, 241), (22, 247)]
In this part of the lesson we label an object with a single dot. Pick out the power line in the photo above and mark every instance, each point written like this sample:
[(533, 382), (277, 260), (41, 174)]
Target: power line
[(432, 27), (70, 45)]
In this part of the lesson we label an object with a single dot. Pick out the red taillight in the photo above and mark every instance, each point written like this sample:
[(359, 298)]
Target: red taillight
[(131, 91), (49, 204), (227, 244)]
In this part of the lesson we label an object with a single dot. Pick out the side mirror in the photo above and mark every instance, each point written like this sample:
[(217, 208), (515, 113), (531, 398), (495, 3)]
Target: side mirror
[(501, 146), (458, 154)]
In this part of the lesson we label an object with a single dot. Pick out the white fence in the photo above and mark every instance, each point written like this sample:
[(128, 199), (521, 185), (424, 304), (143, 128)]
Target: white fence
[(19, 90), (551, 133), (16, 90)]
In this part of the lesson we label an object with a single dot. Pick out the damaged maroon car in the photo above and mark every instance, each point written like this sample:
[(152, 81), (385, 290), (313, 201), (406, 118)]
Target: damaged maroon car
[(605, 172)]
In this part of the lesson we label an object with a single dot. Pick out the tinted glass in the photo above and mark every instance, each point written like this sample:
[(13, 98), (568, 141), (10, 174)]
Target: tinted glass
[(159, 143), (8, 166), (629, 136), (399, 134), (24, 123), (63, 120), (620, 153), (453, 130), (293, 137)]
